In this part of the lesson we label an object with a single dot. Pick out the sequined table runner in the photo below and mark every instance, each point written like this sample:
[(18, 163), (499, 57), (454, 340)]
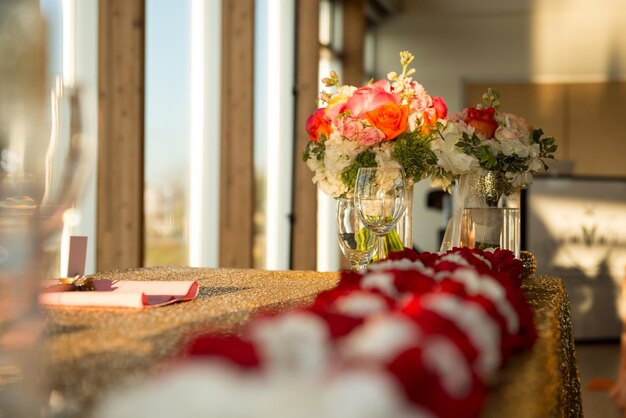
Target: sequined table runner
[(91, 350), (543, 382)]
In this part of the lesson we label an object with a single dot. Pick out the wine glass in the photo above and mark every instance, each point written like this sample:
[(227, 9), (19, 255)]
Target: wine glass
[(379, 199), (356, 241), (43, 167)]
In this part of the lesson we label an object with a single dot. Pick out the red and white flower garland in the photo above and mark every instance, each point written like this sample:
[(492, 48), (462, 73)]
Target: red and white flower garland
[(419, 335)]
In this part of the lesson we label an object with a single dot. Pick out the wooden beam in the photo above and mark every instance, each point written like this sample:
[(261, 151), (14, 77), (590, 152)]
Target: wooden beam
[(121, 134), (304, 228), (353, 46), (237, 172)]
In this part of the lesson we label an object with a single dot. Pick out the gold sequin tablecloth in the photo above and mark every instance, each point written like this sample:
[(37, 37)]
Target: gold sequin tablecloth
[(544, 381), (91, 350)]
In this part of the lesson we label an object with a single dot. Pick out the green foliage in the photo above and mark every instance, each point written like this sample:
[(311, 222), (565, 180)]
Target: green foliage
[(412, 151), (365, 159), (547, 146), (314, 149)]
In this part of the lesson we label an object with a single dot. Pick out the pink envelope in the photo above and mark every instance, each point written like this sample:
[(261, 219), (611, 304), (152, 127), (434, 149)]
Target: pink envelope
[(125, 293)]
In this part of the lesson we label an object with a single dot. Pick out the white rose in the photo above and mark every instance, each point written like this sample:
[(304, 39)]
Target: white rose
[(457, 163), (450, 157), (520, 123), (512, 141)]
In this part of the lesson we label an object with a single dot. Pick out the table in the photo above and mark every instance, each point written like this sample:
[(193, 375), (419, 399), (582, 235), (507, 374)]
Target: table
[(91, 350)]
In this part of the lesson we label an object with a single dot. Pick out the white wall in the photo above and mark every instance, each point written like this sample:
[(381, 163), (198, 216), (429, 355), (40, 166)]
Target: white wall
[(455, 41)]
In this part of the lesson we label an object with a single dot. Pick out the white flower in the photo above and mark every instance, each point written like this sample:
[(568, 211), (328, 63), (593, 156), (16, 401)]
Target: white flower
[(293, 343), (403, 264), (380, 281), (515, 122), (512, 142), (338, 155), (454, 258), (346, 90), (535, 165), (359, 304), (480, 328), (445, 359), (450, 157), (380, 339), (383, 155), (210, 390), (414, 121), (477, 284)]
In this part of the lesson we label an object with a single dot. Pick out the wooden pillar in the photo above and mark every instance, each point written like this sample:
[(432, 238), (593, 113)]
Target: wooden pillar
[(304, 228), (121, 134), (237, 172), (353, 45)]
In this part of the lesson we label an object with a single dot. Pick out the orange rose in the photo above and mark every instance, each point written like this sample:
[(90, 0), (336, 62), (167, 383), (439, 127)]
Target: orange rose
[(318, 124), (482, 121), (391, 118)]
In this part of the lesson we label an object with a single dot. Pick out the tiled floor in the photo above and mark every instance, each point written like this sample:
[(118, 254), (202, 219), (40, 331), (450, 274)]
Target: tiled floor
[(598, 361)]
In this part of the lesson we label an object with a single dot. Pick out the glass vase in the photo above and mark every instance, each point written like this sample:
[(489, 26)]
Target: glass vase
[(486, 214)]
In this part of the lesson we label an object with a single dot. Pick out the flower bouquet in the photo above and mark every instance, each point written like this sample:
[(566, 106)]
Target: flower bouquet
[(386, 123), (490, 155), (482, 140)]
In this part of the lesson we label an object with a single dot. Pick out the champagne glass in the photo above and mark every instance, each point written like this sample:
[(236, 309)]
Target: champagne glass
[(379, 199), (356, 241)]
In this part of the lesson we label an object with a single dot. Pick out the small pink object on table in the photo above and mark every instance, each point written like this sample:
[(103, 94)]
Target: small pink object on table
[(124, 294)]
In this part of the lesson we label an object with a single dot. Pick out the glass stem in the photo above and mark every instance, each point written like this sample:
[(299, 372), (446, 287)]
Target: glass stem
[(358, 266), (382, 252)]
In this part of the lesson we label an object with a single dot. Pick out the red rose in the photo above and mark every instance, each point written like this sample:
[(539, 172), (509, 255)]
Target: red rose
[(318, 124), (241, 353), (482, 121), (423, 386)]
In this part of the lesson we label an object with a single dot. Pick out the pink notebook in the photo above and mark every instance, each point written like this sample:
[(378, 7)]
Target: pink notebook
[(125, 293)]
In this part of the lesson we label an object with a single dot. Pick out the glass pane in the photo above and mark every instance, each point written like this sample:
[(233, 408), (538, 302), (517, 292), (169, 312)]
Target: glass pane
[(326, 22), (167, 131), (72, 49)]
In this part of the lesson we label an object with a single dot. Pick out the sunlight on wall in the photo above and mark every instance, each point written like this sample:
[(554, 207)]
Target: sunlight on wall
[(578, 40), (590, 235)]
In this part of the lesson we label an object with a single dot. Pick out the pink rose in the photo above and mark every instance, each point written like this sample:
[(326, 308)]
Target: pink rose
[(370, 136), (349, 127), (441, 108), (520, 123), (366, 99), (420, 100)]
